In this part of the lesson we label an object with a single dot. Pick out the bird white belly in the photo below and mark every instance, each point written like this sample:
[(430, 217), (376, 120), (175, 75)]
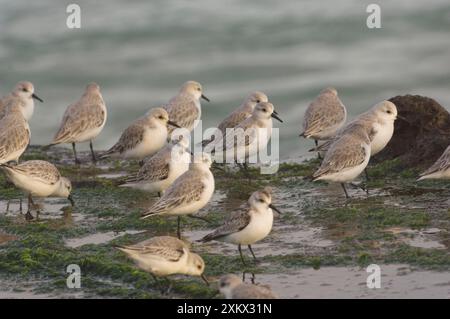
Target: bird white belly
[(28, 109), (31, 185), (152, 142), (259, 227), (382, 137)]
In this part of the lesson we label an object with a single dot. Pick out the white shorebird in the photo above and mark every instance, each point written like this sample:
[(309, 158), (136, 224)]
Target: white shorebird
[(440, 169), (324, 116), (14, 132), (246, 139), (163, 168), (189, 193), (239, 115), (249, 225), (184, 108), (39, 179), (83, 120), (164, 256), (346, 158), (380, 119), (144, 137), (24, 92), (232, 287)]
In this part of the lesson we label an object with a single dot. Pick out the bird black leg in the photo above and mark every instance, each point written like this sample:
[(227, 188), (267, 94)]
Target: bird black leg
[(367, 174), (345, 190), (253, 254), (94, 159), (178, 228), (28, 216), (77, 161), (20, 205), (240, 253), (317, 145)]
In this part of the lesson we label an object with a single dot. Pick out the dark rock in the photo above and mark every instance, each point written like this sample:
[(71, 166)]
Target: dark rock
[(420, 139)]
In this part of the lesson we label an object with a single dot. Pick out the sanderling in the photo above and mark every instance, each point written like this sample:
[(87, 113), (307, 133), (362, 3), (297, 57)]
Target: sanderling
[(14, 133), (184, 108), (144, 137), (23, 91), (248, 138), (240, 114), (380, 119), (440, 169), (164, 256), (189, 193), (83, 120), (163, 168), (324, 116), (249, 225), (346, 158), (232, 287), (40, 179)]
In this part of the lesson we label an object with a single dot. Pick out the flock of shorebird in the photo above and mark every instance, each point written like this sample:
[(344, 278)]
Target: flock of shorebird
[(184, 181)]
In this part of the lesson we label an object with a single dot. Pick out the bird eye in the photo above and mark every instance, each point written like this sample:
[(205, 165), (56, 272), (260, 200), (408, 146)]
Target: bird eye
[(25, 90), (199, 267), (222, 284), (199, 89), (161, 117), (258, 101), (388, 111), (261, 200)]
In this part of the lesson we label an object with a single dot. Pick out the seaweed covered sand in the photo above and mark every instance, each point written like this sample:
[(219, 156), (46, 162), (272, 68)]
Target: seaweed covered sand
[(319, 247)]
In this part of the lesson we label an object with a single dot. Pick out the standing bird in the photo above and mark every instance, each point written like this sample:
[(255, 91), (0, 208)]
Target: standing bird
[(189, 193), (324, 116), (248, 138), (379, 121), (232, 287), (164, 256), (380, 118), (163, 168), (24, 92), (83, 121), (346, 158), (14, 132), (239, 115), (38, 178), (440, 169), (144, 137), (184, 108), (249, 225)]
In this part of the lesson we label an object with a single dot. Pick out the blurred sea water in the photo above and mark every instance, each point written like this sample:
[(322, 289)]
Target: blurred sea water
[(140, 52)]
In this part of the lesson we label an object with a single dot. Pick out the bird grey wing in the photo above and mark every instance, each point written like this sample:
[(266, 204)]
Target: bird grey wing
[(233, 120), (42, 170), (244, 134), (77, 119), (156, 168), (14, 135), (237, 222), (167, 241), (185, 190), (443, 163), (167, 253), (341, 155), (326, 110), (132, 136), (182, 111)]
